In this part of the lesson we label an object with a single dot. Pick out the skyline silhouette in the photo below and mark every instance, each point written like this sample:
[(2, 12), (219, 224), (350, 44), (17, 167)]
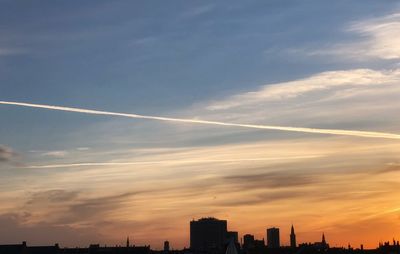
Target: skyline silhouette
[(132, 118), (209, 234)]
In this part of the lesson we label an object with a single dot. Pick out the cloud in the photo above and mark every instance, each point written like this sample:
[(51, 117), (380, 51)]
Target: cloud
[(6, 153), (390, 168), (114, 190), (376, 38), (143, 199), (346, 99), (60, 153), (12, 227), (57, 154), (51, 196), (274, 179), (316, 83), (83, 148), (92, 209), (261, 198), (58, 206), (382, 37), (366, 134)]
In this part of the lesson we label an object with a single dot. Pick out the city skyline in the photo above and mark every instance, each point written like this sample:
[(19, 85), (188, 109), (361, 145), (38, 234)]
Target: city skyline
[(132, 118), (271, 239)]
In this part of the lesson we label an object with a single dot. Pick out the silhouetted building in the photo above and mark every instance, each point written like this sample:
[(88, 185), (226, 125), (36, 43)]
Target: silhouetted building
[(233, 235), (259, 243), (387, 248), (232, 247), (166, 246), (293, 243), (14, 248), (55, 249), (208, 234), (44, 249), (248, 241), (273, 238), (323, 245)]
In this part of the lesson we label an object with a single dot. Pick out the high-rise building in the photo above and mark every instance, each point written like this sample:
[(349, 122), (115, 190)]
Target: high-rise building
[(292, 238), (273, 238), (208, 234)]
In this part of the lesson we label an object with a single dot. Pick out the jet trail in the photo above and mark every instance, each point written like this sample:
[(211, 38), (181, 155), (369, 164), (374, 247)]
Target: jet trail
[(356, 133), (90, 164)]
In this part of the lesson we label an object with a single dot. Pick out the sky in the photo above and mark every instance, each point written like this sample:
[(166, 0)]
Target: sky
[(73, 177)]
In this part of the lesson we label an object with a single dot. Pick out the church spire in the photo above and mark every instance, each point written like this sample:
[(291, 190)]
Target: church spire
[(323, 239), (292, 238)]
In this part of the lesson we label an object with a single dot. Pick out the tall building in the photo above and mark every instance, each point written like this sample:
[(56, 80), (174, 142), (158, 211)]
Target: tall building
[(292, 238), (208, 234), (273, 238)]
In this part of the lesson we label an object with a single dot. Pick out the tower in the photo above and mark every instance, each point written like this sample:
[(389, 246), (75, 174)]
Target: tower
[(292, 238), (127, 242), (166, 246), (323, 239)]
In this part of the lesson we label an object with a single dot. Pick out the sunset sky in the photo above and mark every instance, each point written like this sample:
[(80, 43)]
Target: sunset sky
[(77, 178)]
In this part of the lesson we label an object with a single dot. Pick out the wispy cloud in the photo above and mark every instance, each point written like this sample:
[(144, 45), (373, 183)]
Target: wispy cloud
[(313, 172), (334, 98), (57, 154), (390, 168), (274, 179), (83, 148), (382, 37), (377, 38), (13, 227), (316, 83)]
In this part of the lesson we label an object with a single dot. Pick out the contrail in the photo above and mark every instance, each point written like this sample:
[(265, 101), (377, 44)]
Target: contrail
[(356, 133), (90, 164)]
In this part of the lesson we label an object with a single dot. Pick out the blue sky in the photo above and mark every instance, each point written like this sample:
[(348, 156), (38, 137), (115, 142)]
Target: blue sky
[(288, 63), (150, 58)]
